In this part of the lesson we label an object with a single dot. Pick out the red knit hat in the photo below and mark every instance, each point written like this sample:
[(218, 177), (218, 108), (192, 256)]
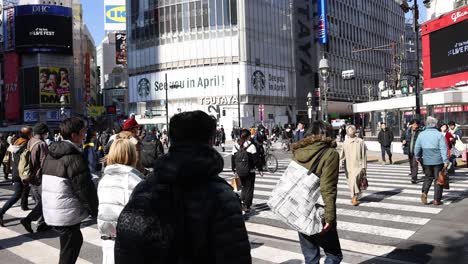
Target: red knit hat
[(130, 124)]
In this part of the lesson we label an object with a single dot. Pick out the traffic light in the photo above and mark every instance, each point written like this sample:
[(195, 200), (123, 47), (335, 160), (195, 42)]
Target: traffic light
[(404, 86)]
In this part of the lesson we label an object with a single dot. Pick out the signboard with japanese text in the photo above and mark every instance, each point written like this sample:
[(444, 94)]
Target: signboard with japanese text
[(12, 86), (121, 48)]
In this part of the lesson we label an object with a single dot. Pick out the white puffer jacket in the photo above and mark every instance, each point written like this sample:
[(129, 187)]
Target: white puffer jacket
[(114, 191)]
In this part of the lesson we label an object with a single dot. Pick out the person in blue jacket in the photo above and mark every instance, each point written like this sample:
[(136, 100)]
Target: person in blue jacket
[(91, 151), (431, 152)]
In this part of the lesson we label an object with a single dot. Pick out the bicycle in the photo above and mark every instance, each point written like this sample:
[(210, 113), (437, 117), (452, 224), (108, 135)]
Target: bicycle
[(271, 162)]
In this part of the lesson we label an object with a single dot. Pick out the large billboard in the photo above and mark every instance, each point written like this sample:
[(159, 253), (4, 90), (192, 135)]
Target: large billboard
[(115, 15), (12, 86), (44, 28), (53, 83), (121, 48), (9, 29), (445, 50)]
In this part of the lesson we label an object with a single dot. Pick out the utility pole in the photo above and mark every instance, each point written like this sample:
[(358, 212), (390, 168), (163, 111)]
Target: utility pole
[(238, 103), (166, 85), (416, 43)]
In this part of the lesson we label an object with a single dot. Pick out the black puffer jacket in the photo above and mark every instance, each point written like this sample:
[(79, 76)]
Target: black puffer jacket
[(385, 137), (68, 193), (184, 213)]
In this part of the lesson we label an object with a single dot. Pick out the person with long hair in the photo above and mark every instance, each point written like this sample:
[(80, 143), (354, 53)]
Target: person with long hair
[(244, 160), (114, 191)]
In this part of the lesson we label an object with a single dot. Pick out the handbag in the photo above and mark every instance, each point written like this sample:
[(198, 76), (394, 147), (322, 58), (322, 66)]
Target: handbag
[(459, 147), (443, 179), (236, 183), (363, 183), (297, 200)]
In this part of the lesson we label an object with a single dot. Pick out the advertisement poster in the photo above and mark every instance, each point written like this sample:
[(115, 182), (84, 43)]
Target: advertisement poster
[(121, 49), (53, 83), (115, 15), (11, 86), (9, 29)]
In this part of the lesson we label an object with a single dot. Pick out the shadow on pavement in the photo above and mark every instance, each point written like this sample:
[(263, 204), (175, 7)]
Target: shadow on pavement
[(379, 196)]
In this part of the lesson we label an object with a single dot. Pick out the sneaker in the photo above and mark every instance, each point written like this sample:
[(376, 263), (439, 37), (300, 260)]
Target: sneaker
[(424, 198), (27, 225), (437, 203)]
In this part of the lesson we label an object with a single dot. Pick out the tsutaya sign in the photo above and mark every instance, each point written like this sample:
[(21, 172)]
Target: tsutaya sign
[(219, 100)]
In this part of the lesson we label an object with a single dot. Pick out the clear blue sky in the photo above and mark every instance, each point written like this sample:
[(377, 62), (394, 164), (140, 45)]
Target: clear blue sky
[(93, 12)]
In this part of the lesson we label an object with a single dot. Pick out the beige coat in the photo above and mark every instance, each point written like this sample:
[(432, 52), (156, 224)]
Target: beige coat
[(354, 153)]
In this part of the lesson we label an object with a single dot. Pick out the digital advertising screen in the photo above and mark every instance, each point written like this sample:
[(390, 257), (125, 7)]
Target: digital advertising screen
[(43, 28), (449, 50), (121, 48)]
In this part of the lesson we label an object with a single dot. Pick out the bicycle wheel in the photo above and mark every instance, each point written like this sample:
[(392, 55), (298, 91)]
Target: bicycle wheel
[(271, 163)]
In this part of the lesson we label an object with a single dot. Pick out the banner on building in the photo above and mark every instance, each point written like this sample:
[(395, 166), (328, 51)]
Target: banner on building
[(323, 22), (115, 15), (1, 21), (53, 83), (11, 86), (121, 49), (96, 111), (9, 28)]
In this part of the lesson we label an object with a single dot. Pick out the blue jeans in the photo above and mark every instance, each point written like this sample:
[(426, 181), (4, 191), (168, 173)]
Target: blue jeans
[(18, 190), (330, 243)]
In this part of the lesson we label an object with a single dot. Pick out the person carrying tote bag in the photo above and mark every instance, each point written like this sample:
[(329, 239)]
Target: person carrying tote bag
[(314, 217)]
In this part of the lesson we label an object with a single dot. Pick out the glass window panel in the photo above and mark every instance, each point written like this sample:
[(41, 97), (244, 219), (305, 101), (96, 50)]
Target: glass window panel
[(193, 15), (219, 12), (173, 18), (226, 12), (156, 22), (179, 18), (199, 14), (167, 11), (162, 18), (234, 12), (205, 13), (212, 11), (186, 17)]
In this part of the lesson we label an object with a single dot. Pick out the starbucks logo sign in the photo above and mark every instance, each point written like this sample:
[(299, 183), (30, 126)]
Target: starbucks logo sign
[(258, 80), (144, 87)]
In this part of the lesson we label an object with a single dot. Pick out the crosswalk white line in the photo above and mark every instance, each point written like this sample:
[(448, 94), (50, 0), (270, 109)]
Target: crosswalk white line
[(410, 187), (275, 255), (375, 230), (378, 205), (349, 245), (463, 184), (381, 216), (30, 249)]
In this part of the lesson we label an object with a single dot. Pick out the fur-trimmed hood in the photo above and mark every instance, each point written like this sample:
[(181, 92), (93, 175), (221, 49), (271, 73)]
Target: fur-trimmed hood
[(307, 149)]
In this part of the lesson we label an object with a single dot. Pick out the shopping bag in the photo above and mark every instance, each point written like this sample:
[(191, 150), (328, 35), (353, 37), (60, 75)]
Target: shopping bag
[(297, 200), (236, 183)]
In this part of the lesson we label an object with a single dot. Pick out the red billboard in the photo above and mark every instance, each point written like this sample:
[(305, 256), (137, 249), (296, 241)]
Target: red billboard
[(12, 87), (445, 50)]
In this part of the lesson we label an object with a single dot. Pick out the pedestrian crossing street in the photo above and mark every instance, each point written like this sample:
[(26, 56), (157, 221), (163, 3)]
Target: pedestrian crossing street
[(390, 213)]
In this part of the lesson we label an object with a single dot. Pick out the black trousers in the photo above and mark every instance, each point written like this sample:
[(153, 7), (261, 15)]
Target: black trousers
[(389, 153), (25, 196), (413, 167), (432, 172), (36, 213), (71, 240), (248, 186)]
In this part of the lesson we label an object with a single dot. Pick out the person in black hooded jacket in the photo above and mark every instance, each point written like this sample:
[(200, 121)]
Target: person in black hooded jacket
[(184, 212)]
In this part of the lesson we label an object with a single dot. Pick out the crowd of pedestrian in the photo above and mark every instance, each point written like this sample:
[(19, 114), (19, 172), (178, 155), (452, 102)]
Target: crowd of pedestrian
[(154, 205)]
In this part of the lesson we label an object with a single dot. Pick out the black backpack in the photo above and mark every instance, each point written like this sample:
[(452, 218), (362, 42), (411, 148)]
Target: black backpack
[(243, 161)]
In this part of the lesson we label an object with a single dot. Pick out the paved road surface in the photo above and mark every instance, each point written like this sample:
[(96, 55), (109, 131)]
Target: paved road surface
[(390, 214)]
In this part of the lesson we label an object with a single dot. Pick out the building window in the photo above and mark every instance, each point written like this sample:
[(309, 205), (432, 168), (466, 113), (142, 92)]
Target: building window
[(206, 21), (219, 12), (233, 12), (212, 11), (186, 17), (167, 11), (199, 15), (162, 18), (174, 19), (193, 15)]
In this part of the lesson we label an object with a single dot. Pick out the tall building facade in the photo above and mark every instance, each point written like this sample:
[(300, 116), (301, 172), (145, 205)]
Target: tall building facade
[(50, 59), (364, 36), (263, 54), (211, 55)]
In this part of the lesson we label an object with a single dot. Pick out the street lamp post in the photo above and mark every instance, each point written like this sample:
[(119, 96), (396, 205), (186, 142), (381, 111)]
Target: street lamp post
[(238, 103), (325, 73), (310, 106), (415, 8), (166, 86)]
